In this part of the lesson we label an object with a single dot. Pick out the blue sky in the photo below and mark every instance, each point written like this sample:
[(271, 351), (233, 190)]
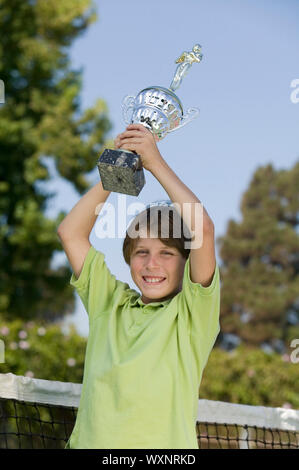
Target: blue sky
[(242, 88)]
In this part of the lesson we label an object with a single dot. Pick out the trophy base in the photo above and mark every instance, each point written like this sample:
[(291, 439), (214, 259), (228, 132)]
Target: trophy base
[(121, 171)]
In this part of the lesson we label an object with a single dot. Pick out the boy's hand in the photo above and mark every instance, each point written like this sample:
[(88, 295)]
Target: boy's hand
[(140, 140)]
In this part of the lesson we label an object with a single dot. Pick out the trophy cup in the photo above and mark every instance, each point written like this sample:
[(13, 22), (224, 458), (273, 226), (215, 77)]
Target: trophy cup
[(159, 110)]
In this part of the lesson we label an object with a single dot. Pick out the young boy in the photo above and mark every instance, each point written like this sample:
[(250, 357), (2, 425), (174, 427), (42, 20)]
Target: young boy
[(146, 352)]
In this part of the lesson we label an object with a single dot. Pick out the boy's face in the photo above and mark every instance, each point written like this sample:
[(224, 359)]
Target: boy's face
[(151, 258)]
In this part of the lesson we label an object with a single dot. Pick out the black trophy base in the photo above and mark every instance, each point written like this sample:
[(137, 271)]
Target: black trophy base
[(121, 171)]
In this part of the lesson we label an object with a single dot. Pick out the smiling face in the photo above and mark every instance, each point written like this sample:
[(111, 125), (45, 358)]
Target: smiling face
[(152, 259)]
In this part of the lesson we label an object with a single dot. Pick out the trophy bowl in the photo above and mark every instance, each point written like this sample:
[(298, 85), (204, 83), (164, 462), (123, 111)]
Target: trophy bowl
[(158, 109)]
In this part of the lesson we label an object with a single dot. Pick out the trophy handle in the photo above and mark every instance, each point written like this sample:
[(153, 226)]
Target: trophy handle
[(191, 114), (128, 103)]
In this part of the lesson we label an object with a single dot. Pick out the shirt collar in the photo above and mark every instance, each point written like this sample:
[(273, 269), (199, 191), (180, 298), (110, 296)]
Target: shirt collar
[(136, 300)]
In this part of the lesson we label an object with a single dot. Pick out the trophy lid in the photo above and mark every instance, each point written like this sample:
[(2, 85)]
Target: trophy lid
[(166, 91)]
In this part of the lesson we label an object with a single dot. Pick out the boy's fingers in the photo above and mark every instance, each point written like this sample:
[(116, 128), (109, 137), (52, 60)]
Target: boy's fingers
[(129, 146), (137, 127), (132, 133), (131, 141)]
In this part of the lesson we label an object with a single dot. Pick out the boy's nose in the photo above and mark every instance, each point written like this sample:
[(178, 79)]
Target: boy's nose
[(152, 261)]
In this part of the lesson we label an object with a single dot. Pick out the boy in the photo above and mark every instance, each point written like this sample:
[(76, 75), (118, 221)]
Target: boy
[(145, 353)]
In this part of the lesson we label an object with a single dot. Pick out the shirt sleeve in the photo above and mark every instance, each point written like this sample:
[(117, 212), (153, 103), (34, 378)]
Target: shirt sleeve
[(97, 287), (201, 308)]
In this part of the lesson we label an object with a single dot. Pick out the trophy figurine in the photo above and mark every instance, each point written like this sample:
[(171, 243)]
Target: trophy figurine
[(159, 110)]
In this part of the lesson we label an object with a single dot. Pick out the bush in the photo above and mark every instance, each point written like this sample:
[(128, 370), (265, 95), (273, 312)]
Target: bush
[(251, 377), (43, 351)]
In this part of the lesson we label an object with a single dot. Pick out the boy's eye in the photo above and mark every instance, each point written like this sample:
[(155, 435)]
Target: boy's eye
[(144, 251)]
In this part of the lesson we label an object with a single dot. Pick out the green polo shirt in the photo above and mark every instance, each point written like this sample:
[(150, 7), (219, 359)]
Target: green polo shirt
[(143, 362)]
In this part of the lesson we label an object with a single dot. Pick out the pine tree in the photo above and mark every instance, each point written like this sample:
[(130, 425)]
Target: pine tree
[(41, 117), (260, 271)]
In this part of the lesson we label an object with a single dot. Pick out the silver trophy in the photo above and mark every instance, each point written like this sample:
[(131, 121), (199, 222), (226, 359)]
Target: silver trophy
[(159, 110)]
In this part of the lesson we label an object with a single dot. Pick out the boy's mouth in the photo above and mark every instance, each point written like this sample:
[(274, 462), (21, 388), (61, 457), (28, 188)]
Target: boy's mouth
[(151, 280)]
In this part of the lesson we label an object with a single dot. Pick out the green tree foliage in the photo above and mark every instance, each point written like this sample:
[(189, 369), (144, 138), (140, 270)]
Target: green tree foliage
[(41, 350), (251, 377), (41, 117), (260, 271)]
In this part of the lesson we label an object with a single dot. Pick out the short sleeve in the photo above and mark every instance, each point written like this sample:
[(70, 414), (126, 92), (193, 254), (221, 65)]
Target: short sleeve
[(96, 286), (201, 308)]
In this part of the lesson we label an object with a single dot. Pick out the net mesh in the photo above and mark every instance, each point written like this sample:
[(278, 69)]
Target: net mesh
[(232, 436), (38, 414), (26, 425)]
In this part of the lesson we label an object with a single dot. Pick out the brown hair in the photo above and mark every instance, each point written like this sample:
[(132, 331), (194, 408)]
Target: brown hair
[(172, 231)]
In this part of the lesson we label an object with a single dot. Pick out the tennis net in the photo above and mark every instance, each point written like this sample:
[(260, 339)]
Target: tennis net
[(36, 413)]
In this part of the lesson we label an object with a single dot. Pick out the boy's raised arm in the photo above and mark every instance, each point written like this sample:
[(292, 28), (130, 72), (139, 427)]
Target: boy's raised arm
[(75, 228), (202, 251)]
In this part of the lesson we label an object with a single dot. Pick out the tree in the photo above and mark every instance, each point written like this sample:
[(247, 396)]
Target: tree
[(41, 118), (260, 271)]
